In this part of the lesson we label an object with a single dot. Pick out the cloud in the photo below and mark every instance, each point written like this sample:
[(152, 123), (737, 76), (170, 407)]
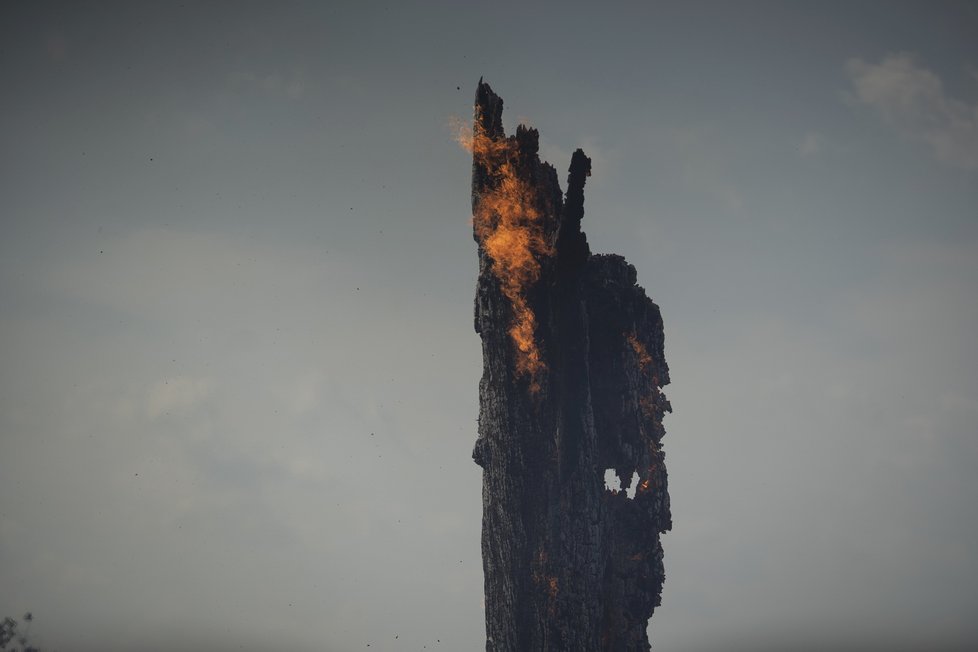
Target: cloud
[(913, 101)]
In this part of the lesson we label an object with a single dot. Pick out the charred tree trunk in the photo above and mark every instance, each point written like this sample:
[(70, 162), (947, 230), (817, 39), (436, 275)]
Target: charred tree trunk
[(572, 366)]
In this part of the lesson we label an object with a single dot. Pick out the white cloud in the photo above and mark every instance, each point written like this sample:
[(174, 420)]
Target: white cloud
[(912, 100)]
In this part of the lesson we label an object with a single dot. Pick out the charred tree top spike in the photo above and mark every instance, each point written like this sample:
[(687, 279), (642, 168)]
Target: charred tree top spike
[(572, 369)]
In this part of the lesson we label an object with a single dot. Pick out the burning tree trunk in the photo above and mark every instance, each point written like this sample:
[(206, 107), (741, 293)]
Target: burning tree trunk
[(572, 366)]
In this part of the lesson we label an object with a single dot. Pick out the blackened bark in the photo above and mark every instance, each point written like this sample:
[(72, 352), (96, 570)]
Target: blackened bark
[(569, 564)]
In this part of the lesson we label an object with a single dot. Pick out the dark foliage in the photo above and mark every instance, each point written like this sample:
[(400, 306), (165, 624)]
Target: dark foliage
[(14, 635)]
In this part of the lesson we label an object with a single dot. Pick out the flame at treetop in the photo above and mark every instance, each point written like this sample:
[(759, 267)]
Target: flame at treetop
[(509, 226)]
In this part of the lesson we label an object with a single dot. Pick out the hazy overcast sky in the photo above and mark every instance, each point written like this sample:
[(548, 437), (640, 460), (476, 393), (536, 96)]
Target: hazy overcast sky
[(238, 374)]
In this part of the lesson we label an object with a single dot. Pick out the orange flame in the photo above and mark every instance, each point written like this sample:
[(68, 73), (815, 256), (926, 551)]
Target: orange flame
[(509, 226), (644, 359)]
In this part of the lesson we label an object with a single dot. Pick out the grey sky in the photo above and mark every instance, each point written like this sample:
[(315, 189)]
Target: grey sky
[(239, 377)]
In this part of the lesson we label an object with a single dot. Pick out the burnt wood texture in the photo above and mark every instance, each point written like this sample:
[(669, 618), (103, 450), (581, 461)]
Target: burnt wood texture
[(572, 370)]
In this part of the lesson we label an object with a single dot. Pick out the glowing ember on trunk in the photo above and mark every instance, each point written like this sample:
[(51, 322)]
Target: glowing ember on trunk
[(640, 351)]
